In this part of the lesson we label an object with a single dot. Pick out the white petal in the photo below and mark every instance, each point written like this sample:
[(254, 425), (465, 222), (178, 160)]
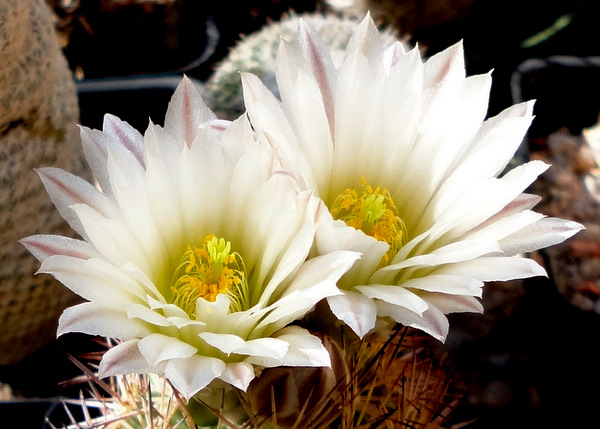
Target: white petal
[(227, 343), (238, 374), (207, 311), (186, 112), (503, 227), (143, 313), (307, 104), (44, 246), (126, 135), (274, 348), (114, 239), (451, 253), (401, 120), (319, 63), (432, 321), (124, 358), (168, 310), (333, 235), (496, 142), (163, 202), (191, 375), (464, 117), (523, 202), (161, 145), (395, 295), (144, 281), (66, 189), (97, 146), (127, 181), (366, 40), (496, 268), (106, 321), (291, 260), (445, 69), (182, 322), (315, 280), (94, 279), (267, 116), (198, 204), (355, 310), (392, 55), (544, 233), (287, 309), (266, 113), (321, 273), (280, 249), (465, 207), (264, 347), (454, 303), (447, 284), (157, 348), (304, 350)]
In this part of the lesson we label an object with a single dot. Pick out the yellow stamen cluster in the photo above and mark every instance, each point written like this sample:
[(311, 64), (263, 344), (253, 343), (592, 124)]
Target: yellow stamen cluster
[(207, 271), (373, 212)]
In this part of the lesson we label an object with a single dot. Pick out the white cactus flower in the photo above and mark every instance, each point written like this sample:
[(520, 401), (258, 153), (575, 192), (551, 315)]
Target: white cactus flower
[(193, 252), (400, 149)]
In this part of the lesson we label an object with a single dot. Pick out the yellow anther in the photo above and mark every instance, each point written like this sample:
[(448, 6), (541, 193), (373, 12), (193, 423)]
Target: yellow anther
[(373, 212), (207, 271)]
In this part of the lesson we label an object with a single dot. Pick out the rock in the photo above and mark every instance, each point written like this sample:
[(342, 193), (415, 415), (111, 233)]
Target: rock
[(569, 190), (38, 116)]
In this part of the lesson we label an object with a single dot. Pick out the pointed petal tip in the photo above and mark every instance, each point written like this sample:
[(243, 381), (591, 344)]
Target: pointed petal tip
[(355, 310), (530, 104), (108, 118), (186, 82), (251, 85), (187, 86), (303, 28), (563, 229), (239, 375), (573, 227), (60, 330), (30, 240), (367, 19), (35, 245)]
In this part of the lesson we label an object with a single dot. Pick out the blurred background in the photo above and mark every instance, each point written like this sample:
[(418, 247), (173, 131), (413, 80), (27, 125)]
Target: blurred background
[(532, 360)]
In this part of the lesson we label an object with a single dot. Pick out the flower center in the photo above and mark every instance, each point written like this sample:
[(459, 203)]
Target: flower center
[(373, 212), (207, 271)]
